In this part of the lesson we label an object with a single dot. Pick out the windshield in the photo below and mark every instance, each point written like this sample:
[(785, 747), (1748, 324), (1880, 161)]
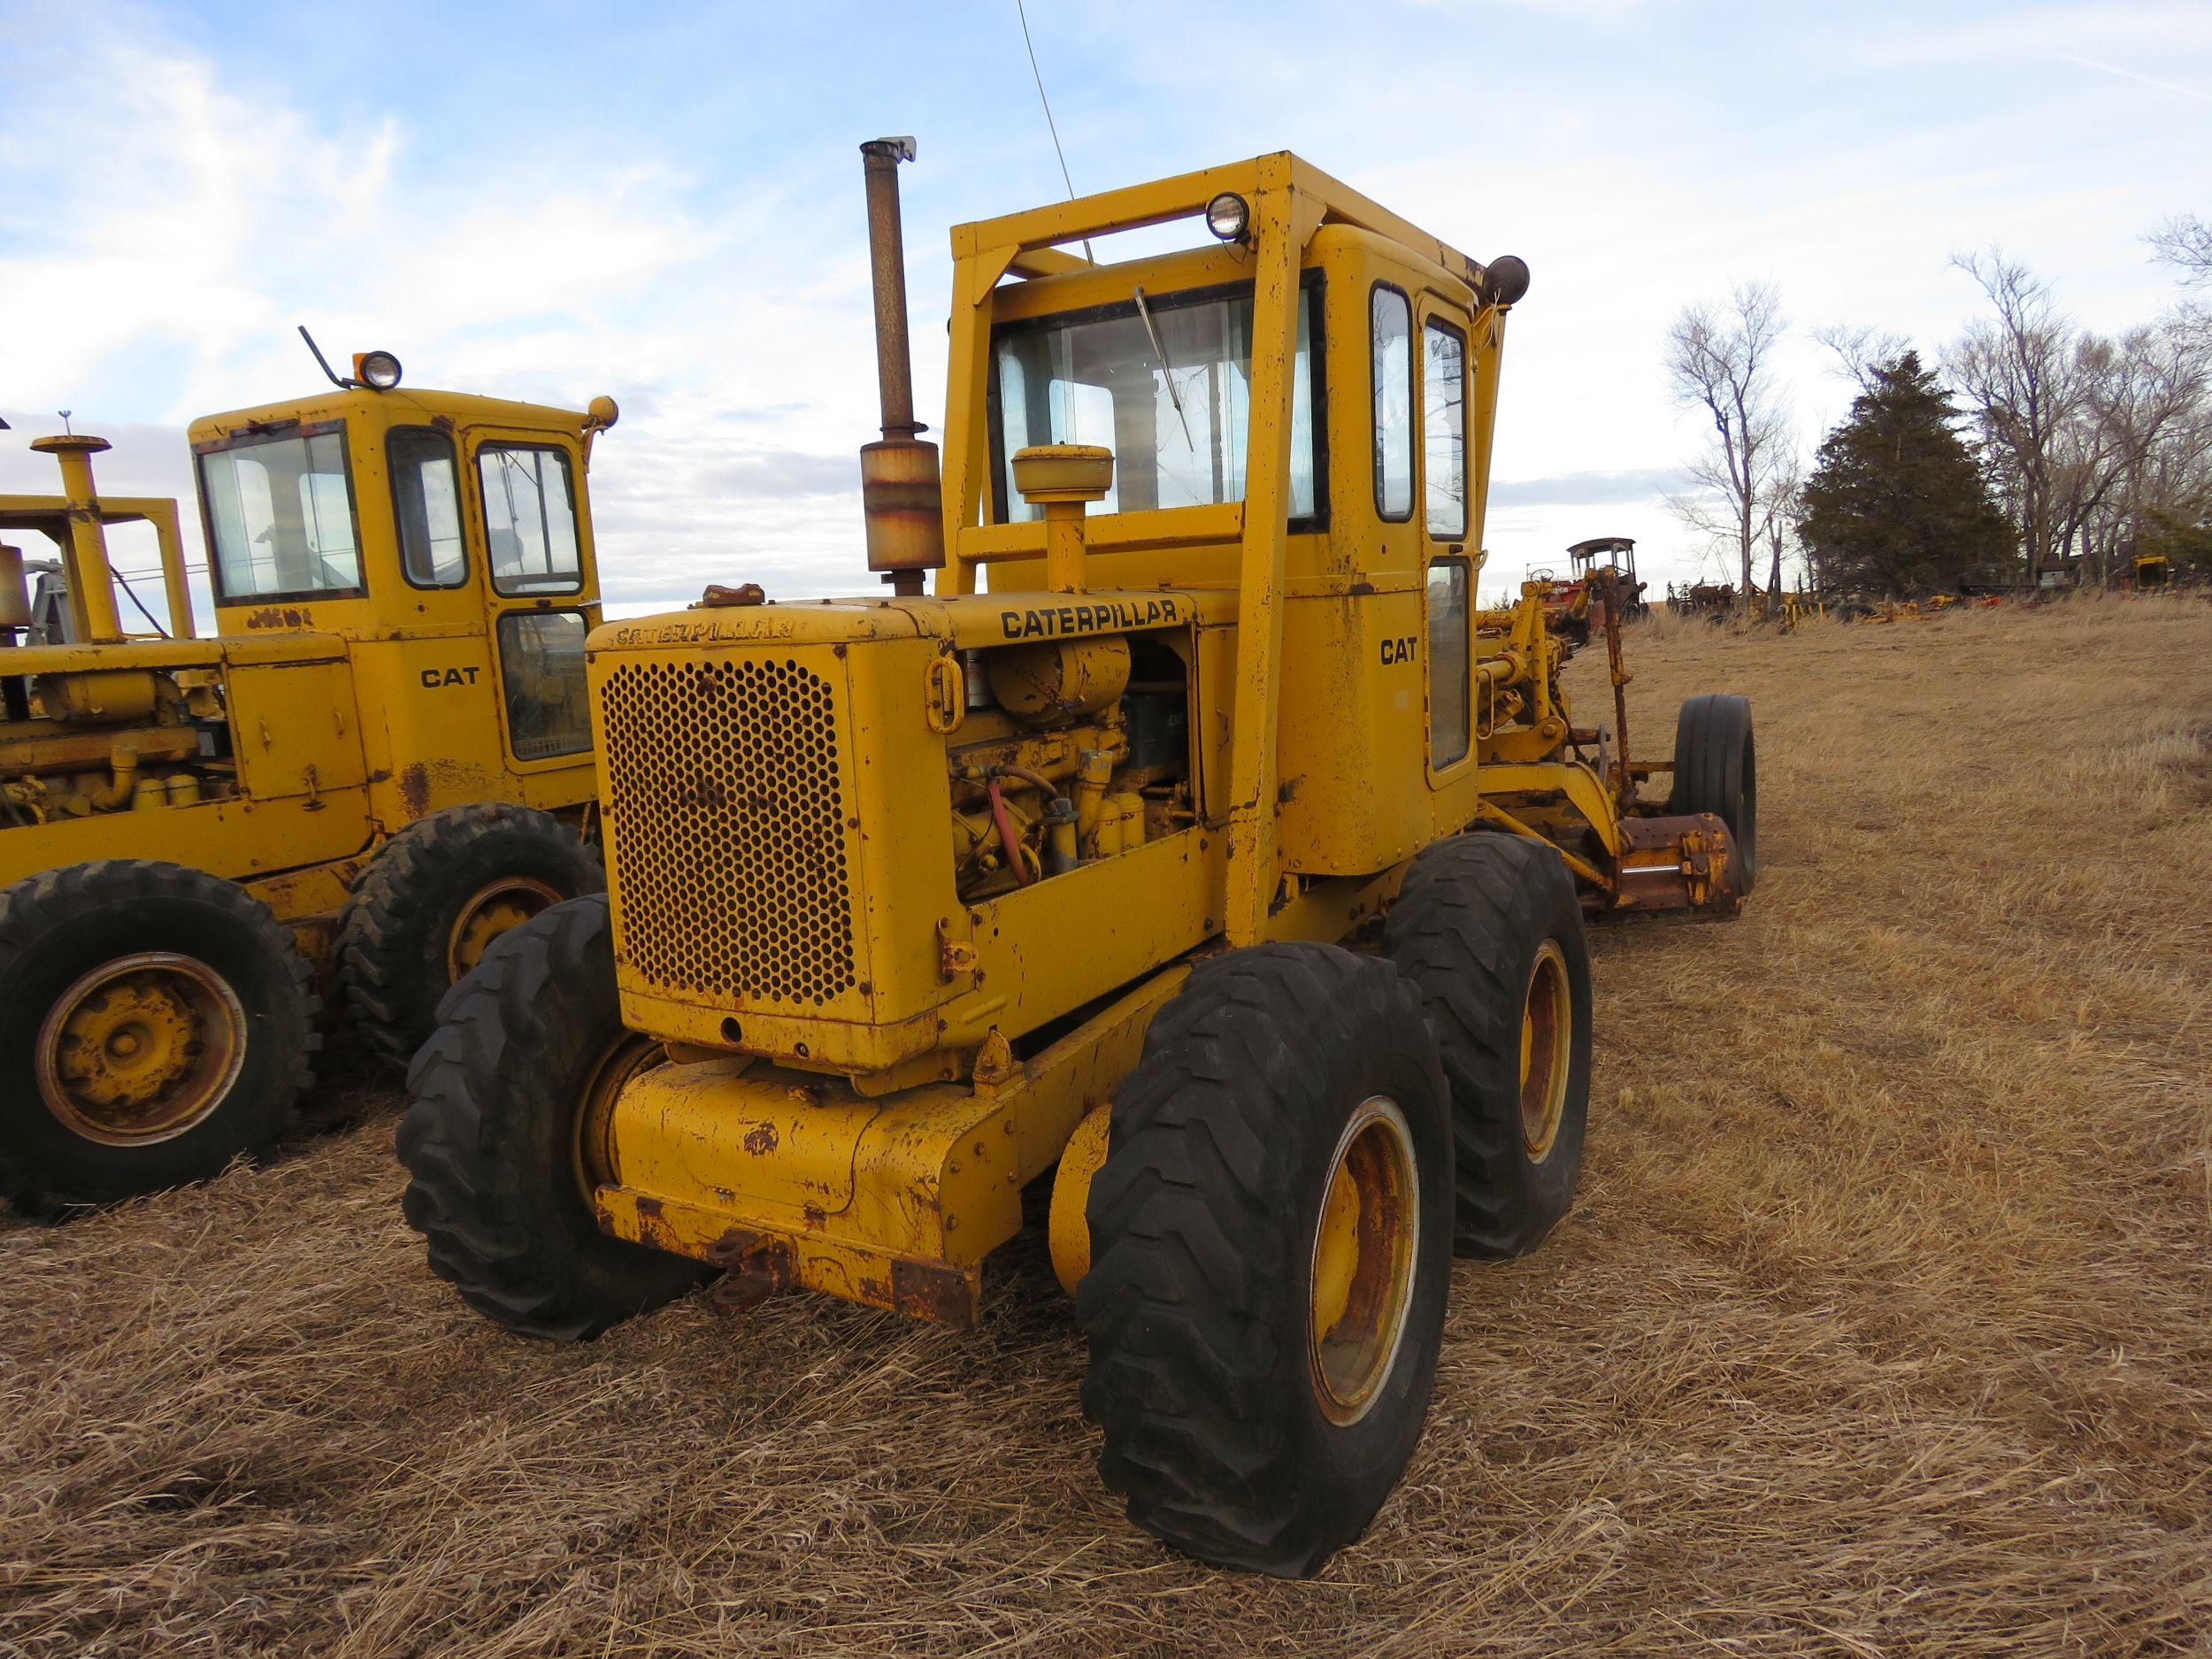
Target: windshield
[(1177, 427), (281, 513)]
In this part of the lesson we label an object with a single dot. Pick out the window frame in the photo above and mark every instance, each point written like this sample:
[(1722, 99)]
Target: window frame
[(1466, 566), (399, 542), (1444, 325), (1310, 288), (254, 437), (483, 508), (1413, 408)]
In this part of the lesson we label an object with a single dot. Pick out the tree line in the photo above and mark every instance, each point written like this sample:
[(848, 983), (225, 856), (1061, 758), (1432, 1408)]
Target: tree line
[(2028, 444)]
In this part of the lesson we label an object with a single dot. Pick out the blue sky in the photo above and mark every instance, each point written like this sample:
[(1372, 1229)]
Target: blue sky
[(663, 202)]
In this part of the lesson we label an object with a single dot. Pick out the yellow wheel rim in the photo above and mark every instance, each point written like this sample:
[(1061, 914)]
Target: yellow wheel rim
[(141, 1049), (628, 1058), (504, 905), (1364, 1245), (1546, 1040)]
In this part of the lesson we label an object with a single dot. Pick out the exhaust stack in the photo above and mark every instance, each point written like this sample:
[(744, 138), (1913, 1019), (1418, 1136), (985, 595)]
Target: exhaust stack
[(900, 495)]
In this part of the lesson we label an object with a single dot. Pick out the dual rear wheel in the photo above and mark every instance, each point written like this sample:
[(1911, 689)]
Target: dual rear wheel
[(157, 1021), (1307, 1136)]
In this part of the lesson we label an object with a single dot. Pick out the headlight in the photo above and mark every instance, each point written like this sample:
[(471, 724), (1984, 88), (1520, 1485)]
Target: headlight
[(1229, 216), (1506, 280), (379, 370)]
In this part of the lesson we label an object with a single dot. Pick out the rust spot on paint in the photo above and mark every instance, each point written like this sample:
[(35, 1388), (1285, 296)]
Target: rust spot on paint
[(760, 1140), (414, 789), (755, 1266), (933, 1291), (278, 617), (652, 1228)]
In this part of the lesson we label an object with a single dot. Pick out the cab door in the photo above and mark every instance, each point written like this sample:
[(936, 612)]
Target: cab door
[(540, 591)]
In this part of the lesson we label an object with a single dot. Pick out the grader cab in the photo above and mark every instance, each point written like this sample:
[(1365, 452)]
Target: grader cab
[(1199, 845), (376, 763)]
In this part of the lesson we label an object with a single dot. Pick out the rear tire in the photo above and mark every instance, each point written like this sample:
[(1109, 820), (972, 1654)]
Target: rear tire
[(434, 898), (156, 1022), (492, 1141), (1489, 929), (1260, 1366), (1717, 771)]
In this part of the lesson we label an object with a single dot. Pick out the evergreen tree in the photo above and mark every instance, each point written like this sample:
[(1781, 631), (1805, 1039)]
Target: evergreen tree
[(1897, 502)]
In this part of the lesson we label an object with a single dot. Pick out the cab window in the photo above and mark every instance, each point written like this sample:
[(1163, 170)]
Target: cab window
[(1165, 385), (280, 513), (529, 518), (1444, 427), (1391, 316), (1449, 644), (427, 507), (541, 671)]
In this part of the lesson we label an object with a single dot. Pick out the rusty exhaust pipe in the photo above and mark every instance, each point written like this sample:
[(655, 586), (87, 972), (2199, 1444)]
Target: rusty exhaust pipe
[(900, 495)]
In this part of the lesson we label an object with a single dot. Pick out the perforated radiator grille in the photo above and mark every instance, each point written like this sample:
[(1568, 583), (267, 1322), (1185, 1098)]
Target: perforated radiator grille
[(726, 798)]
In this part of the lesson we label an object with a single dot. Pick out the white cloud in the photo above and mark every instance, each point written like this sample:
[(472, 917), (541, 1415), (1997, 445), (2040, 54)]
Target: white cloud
[(199, 228), (721, 294)]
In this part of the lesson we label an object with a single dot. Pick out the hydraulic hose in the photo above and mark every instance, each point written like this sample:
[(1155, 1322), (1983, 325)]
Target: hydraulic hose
[(1034, 779), (1009, 837)]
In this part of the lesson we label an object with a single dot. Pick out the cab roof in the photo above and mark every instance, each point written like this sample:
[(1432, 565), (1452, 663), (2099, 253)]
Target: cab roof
[(421, 404), (1032, 243)]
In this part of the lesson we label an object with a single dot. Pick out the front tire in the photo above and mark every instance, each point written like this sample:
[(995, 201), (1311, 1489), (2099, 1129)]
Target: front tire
[(156, 1021), (528, 1049), (1717, 771), (1269, 1255), (432, 902), (1489, 929)]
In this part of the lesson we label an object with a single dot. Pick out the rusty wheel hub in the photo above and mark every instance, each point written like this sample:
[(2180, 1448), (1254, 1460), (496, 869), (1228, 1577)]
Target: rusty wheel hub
[(507, 903), (141, 1049), (1547, 1036), (1363, 1250)]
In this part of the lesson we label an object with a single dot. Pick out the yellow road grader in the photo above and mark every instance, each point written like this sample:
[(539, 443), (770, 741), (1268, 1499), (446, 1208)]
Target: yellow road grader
[(1198, 843), (376, 764)]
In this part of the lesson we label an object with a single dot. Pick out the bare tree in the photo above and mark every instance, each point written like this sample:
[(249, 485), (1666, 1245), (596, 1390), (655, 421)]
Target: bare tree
[(1861, 352), (1720, 359), (2152, 447), (1781, 505), (2020, 375), (2084, 432), (2184, 241)]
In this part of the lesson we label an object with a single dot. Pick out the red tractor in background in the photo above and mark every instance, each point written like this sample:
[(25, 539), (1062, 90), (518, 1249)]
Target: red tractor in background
[(1604, 571)]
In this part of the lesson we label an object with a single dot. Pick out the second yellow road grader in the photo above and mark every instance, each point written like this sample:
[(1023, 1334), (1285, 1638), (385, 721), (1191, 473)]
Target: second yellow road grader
[(1198, 844), (376, 764)]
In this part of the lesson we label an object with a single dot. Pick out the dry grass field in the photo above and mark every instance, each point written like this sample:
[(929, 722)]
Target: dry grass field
[(1883, 1326)]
